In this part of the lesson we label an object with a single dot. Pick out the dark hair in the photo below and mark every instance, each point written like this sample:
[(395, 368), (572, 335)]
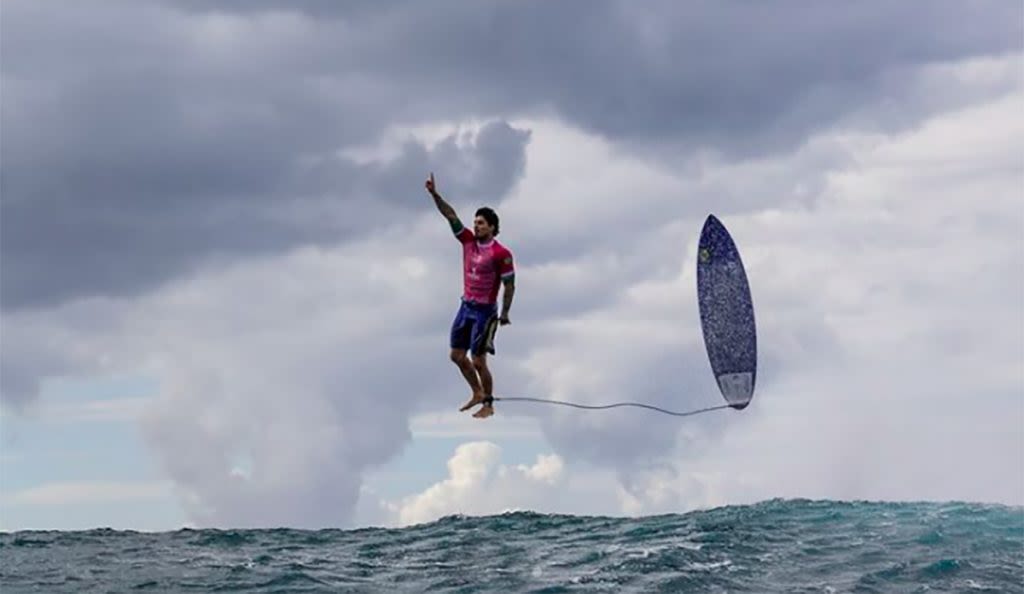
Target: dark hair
[(489, 215)]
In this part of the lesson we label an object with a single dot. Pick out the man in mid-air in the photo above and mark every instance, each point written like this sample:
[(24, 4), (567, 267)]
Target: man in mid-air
[(487, 265)]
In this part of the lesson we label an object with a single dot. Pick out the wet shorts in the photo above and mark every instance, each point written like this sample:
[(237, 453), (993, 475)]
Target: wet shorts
[(474, 326)]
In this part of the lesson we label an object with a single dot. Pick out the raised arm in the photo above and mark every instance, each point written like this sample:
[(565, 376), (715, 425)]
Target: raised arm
[(442, 206)]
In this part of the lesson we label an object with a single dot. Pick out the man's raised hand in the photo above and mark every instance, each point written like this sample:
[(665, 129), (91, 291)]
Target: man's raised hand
[(445, 208)]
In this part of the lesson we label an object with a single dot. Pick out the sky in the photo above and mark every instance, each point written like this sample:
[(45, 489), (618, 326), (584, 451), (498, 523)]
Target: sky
[(226, 295)]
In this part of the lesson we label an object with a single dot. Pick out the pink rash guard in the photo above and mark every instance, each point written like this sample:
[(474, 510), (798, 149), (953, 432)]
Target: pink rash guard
[(484, 266)]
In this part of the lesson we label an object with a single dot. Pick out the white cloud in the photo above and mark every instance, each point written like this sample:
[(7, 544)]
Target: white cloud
[(452, 423), (89, 492), (125, 409), (478, 483)]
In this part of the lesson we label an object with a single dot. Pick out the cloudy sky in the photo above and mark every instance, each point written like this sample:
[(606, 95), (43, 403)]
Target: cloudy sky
[(226, 296)]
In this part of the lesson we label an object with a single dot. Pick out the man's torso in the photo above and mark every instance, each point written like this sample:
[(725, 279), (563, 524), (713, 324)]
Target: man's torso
[(484, 265)]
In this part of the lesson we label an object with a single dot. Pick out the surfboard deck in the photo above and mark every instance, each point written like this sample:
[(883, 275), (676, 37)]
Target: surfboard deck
[(726, 314)]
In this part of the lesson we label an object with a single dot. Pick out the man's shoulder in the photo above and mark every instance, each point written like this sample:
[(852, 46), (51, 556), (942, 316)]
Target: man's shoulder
[(501, 249), (464, 234), (504, 259)]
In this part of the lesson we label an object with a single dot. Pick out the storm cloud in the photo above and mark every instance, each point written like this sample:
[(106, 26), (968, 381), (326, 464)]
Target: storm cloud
[(134, 154)]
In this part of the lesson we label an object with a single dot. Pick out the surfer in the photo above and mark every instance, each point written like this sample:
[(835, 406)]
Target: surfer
[(487, 266)]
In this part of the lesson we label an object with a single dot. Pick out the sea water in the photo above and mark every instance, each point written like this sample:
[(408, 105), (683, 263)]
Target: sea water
[(774, 546)]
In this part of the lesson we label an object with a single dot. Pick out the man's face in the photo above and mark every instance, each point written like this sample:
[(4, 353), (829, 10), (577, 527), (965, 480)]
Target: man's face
[(482, 228)]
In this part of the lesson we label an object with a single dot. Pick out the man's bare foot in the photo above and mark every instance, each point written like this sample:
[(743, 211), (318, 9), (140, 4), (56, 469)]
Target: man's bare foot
[(485, 411), (475, 400)]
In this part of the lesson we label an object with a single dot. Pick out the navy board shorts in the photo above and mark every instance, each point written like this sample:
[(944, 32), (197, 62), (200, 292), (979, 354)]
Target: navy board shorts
[(474, 327)]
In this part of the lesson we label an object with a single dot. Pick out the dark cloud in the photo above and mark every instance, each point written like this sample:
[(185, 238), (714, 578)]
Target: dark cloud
[(132, 153), (138, 206), (742, 77), (148, 159), (320, 9)]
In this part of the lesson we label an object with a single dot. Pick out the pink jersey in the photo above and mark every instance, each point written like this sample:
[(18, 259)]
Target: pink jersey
[(484, 266)]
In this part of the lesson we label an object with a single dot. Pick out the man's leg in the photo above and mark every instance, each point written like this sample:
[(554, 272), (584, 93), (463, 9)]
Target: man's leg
[(460, 342), (486, 382), (460, 358)]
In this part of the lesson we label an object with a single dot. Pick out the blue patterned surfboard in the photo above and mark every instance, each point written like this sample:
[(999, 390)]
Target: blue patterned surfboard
[(726, 314)]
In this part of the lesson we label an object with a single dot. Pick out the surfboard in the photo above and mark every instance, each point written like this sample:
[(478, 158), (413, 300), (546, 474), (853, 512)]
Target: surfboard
[(726, 314)]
